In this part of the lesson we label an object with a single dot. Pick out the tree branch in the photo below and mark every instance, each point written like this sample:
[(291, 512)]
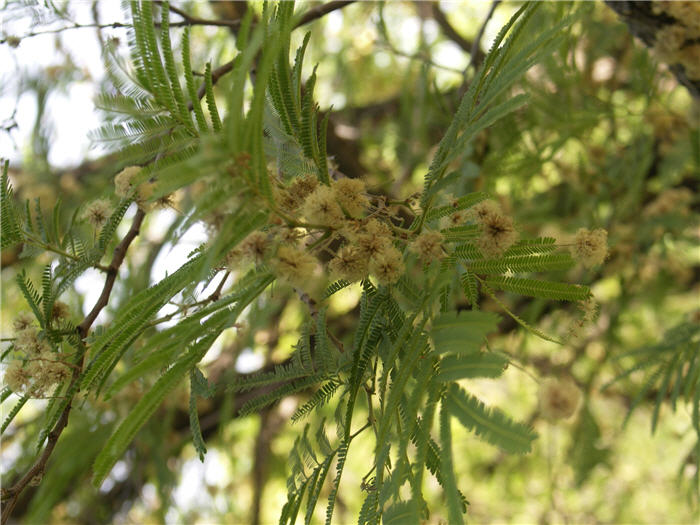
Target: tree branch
[(321, 11), (645, 24), (476, 54), (35, 473), (450, 32)]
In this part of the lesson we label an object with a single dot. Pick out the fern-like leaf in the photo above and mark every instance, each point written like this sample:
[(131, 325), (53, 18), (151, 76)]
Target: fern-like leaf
[(125, 433), (211, 101), (454, 507), (320, 398), (462, 332), (462, 203), (522, 263), (539, 288), (490, 424), (10, 220), (31, 295), (455, 367), (189, 82), (13, 413), (197, 439), (400, 513)]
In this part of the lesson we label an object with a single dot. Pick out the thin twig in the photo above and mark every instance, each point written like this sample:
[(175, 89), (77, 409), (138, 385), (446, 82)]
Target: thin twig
[(117, 25), (217, 293), (196, 21), (477, 56), (450, 31), (322, 10), (189, 20), (61, 252)]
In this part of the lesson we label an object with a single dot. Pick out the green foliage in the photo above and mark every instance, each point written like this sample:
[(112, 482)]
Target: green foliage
[(197, 438), (394, 357), (462, 333), (144, 409), (13, 413), (455, 367), (543, 289), (9, 219), (489, 423), (672, 369)]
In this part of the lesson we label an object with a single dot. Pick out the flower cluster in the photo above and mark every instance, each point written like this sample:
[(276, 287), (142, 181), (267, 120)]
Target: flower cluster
[(679, 43), (590, 247), (316, 219), (558, 398), (428, 246), (497, 230), (295, 265), (39, 368), (673, 200)]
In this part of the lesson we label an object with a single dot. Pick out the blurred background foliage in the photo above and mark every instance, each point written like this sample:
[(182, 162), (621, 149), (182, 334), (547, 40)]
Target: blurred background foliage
[(609, 139)]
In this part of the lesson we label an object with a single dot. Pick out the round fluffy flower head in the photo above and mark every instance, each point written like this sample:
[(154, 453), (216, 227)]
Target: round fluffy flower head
[(60, 310), (559, 398), (497, 234), (455, 219), (255, 246), (294, 266), (387, 266), (686, 12), (234, 258), (169, 200), (144, 192), (349, 264), (428, 246), (350, 194), (292, 197), (29, 341), (590, 247), (373, 239), (16, 376), (123, 185), (285, 200), (479, 212), (286, 235), (321, 208), (302, 187), (23, 321), (97, 212), (51, 372), (375, 227), (589, 309)]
